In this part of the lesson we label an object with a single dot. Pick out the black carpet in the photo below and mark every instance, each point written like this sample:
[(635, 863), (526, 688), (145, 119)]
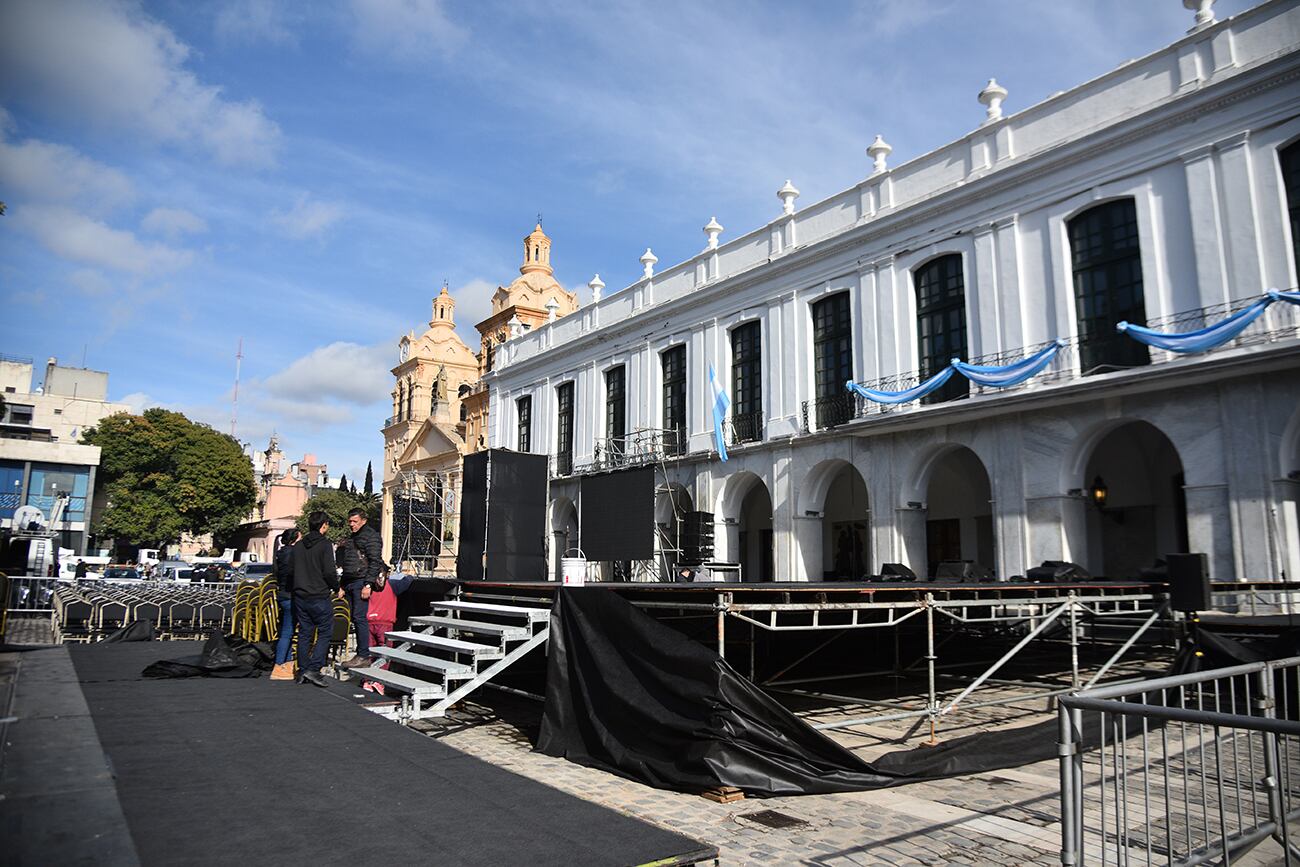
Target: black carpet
[(253, 771)]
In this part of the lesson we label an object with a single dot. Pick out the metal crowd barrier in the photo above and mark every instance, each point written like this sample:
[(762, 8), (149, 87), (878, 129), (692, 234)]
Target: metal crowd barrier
[(1181, 770)]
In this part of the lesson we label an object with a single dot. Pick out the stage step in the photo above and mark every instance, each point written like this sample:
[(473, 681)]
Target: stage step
[(430, 663), (506, 632), (533, 614), (421, 689), (455, 645)]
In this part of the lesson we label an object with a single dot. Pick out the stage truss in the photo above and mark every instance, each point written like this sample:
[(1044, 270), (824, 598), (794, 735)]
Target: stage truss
[(424, 521)]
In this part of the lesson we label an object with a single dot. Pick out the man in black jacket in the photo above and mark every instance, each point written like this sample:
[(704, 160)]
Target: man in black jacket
[(315, 584), (362, 557)]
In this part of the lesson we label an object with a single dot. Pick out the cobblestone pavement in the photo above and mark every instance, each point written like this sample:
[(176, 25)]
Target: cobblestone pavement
[(1007, 817)]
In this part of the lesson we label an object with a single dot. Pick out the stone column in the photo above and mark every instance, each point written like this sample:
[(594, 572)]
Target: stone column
[(1286, 494), (807, 561), (1209, 528), (1057, 529), (909, 524)]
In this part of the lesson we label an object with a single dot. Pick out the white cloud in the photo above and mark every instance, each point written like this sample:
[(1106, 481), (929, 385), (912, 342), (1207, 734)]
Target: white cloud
[(312, 415), (345, 372), (138, 401), (473, 305), (172, 222), (79, 238), (90, 282), (404, 30), (109, 63), (53, 172), (29, 297), (255, 21), (308, 218)]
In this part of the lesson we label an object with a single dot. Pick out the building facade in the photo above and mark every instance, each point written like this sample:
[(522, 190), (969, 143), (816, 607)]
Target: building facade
[(281, 493), (1165, 192), (41, 462)]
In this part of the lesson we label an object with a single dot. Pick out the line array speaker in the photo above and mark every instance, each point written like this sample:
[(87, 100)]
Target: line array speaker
[(1189, 581)]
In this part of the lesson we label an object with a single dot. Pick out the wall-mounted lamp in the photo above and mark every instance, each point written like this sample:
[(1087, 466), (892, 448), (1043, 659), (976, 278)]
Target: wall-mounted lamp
[(1097, 493)]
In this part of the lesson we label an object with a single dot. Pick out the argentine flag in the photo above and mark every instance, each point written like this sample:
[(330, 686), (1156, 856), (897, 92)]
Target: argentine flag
[(720, 405)]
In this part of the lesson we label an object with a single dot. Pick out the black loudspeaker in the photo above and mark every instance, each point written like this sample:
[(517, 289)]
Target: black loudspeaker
[(1189, 581), (1057, 571), (697, 537), (502, 517), (897, 572), (963, 570)]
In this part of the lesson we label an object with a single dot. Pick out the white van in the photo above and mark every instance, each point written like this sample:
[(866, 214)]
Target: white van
[(94, 566)]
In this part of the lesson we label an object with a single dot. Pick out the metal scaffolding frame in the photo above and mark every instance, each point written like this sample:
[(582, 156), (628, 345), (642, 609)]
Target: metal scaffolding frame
[(430, 533)]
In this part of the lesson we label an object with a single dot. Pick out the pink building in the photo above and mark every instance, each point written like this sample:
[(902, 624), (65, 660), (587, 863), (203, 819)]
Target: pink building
[(281, 495)]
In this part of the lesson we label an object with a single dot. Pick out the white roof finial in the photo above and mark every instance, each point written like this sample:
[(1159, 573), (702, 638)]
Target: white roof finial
[(878, 150), (787, 194), (1204, 14), (516, 327), (595, 284), (552, 308), (648, 259), (713, 229), (992, 96)]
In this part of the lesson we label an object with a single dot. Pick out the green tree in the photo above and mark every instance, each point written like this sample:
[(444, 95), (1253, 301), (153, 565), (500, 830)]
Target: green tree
[(337, 504), (343, 483), (164, 475), (369, 487)]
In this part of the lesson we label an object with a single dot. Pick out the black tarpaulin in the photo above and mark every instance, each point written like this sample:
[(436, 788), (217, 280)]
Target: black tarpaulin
[(221, 656), (629, 695)]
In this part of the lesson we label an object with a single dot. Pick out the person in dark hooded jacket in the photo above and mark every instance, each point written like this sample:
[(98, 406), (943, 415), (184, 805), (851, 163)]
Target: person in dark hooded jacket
[(315, 584), (284, 596), (361, 556)]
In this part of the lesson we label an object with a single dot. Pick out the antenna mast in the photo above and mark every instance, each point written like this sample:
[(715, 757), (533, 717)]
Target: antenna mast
[(234, 401)]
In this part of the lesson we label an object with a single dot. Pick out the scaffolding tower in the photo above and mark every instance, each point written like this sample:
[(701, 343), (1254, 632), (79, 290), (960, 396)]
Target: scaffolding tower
[(425, 521)]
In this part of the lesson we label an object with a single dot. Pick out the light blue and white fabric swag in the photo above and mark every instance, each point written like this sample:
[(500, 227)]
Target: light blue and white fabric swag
[(1003, 376), (1205, 339)]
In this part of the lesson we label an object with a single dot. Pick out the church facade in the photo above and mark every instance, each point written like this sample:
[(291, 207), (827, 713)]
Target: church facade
[(1165, 192), (440, 409)]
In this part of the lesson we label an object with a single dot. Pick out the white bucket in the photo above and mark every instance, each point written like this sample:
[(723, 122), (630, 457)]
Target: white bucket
[(573, 571)]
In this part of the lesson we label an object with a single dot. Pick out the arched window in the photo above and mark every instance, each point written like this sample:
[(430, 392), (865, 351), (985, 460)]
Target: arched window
[(401, 401), (1290, 158), (941, 322), (410, 398), (673, 366), (1107, 263), (615, 408), (832, 359)]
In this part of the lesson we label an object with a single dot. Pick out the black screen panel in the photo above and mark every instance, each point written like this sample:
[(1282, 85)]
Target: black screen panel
[(618, 515), (473, 517)]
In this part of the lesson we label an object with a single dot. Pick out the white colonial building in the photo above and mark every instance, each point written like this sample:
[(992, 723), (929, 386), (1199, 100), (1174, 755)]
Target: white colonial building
[(1166, 191)]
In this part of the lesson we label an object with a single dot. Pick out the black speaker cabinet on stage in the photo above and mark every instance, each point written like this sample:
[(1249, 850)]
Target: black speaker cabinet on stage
[(697, 537), (502, 517), (1057, 571), (617, 520), (1189, 581), (897, 572)]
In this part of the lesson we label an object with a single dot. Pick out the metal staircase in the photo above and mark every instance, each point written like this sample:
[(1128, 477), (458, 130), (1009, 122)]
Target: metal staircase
[(452, 651)]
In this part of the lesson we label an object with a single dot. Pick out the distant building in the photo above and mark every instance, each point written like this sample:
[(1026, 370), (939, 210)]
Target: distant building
[(41, 461), (281, 494), (1165, 193)]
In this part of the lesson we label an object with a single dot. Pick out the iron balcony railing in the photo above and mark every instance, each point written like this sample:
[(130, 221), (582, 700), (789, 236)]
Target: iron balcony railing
[(1079, 357), (744, 428)]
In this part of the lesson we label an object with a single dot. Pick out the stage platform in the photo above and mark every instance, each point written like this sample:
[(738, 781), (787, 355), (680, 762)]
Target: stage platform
[(101, 766)]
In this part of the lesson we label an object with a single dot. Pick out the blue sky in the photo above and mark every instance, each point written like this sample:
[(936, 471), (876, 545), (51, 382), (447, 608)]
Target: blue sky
[(304, 176)]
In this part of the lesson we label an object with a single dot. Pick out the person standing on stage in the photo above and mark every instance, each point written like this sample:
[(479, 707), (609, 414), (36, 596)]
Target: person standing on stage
[(315, 584), (362, 557), (284, 597)]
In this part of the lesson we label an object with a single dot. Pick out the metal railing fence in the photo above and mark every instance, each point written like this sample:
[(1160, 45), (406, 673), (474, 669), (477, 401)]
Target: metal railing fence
[(1181, 770)]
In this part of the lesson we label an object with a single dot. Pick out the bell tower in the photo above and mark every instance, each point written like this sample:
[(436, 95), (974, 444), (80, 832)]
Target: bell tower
[(537, 253), (444, 308)]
